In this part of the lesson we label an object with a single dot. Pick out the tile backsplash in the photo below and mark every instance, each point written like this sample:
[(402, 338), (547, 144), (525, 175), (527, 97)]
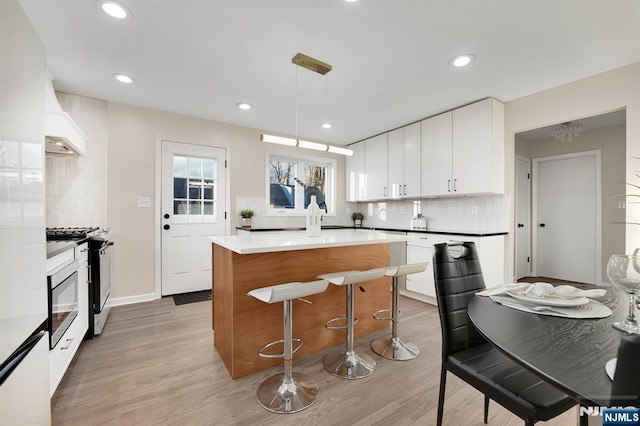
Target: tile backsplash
[(485, 213)]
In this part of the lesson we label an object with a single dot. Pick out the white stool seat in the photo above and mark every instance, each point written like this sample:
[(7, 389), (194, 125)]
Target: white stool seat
[(289, 291), (401, 270), (353, 277)]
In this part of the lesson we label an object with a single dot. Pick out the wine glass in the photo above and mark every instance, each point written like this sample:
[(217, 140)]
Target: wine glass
[(624, 272)]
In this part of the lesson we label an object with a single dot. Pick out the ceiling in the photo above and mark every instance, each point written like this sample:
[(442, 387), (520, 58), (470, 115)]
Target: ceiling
[(390, 58)]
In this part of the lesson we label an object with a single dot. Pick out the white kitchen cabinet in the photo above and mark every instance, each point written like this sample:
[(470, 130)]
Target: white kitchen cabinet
[(375, 165), (463, 150), (423, 282), (437, 155), (478, 148), (422, 286), (62, 354), (403, 153), (356, 176)]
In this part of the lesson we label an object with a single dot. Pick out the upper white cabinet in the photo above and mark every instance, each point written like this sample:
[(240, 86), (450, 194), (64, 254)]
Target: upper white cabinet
[(436, 154), (463, 150), (403, 151), (356, 177), (375, 166)]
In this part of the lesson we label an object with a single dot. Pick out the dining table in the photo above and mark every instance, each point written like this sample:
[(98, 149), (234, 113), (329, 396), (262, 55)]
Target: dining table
[(569, 353)]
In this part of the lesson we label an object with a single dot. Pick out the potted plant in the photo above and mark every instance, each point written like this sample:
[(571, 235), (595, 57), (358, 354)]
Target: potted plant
[(246, 215), (357, 218)]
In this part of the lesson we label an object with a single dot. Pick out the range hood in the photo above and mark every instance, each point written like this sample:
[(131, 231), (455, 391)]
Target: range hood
[(62, 134)]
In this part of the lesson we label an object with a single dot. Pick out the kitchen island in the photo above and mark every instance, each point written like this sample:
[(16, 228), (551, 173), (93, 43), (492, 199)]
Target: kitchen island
[(242, 324)]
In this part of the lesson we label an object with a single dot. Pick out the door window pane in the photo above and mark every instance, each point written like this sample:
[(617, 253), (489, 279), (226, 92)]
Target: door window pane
[(193, 182), (179, 166), (195, 167)]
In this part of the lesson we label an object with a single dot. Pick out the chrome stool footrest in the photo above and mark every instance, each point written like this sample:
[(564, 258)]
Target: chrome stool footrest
[(328, 325), (276, 342), (376, 313)]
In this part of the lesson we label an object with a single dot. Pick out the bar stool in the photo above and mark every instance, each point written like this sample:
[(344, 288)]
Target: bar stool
[(393, 347), (349, 364), (289, 392)]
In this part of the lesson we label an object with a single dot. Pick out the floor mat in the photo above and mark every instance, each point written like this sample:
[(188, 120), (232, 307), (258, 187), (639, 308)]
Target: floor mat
[(196, 296)]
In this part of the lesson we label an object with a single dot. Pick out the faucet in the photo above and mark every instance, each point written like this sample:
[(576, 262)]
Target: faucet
[(375, 225)]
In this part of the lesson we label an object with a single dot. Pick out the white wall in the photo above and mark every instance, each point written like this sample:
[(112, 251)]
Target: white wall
[(603, 93)]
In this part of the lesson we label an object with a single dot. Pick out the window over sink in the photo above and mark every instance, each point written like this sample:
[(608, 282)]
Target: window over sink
[(291, 181)]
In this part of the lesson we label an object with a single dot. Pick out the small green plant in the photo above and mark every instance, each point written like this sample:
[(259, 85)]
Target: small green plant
[(247, 213), (357, 216)]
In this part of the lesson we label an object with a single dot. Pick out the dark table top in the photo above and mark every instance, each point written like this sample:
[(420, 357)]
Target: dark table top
[(569, 353)]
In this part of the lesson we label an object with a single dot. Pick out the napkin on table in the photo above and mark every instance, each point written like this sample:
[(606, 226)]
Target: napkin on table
[(541, 290)]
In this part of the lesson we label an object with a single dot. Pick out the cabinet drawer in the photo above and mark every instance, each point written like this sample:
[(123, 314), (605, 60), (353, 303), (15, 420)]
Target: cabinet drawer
[(60, 357), (424, 240)]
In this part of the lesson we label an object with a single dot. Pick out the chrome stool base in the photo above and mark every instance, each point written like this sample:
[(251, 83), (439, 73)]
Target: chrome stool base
[(279, 397), (349, 365), (394, 348)]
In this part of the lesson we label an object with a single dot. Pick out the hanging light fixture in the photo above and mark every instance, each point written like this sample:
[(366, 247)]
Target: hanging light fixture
[(565, 132), (321, 68)]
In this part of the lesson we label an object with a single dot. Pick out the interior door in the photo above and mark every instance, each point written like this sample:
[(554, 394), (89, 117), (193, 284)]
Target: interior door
[(193, 209), (523, 217), (567, 217)]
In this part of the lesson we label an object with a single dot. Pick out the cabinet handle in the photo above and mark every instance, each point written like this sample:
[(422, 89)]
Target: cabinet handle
[(84, 250), (362, 194), (405, 190), (449, 185), (385, 192), (69, 341), (454, 185)]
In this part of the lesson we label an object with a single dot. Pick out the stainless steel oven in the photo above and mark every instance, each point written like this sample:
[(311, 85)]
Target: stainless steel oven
[(101, 248), (63, 300)]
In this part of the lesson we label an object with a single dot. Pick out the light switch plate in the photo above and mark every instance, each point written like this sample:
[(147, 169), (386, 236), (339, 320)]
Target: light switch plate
[(144, 202)]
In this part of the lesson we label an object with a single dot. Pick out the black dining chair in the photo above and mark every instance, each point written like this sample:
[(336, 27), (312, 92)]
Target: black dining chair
[(626, 381), (468, 355)]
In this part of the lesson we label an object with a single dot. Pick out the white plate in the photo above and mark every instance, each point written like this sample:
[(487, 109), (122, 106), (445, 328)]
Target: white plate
[(610, 367), (550, 300)]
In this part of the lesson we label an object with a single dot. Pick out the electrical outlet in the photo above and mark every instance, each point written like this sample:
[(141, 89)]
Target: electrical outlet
[(474, 210), (144, 202)]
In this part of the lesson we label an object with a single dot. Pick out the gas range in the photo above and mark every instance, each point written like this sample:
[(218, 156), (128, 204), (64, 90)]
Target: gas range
[(93, 233)]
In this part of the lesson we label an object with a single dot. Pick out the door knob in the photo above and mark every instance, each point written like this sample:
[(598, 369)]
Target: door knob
[(542, 225), (520, 225), (166, 216), (167, 226)]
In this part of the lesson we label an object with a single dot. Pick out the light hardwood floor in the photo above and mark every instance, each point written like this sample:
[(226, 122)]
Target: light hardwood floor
[(155, 364)]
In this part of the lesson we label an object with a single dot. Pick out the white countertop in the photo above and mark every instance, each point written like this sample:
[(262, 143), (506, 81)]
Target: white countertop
[(264, 243)]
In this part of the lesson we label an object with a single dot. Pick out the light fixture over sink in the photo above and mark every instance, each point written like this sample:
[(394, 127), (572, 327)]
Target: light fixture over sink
[(321, 68)]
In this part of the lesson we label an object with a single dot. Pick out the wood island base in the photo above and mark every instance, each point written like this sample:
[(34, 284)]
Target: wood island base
[(243, 324)]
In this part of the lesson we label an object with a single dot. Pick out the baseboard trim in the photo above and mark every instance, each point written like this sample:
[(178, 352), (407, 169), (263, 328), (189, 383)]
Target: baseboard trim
[(130, 300)]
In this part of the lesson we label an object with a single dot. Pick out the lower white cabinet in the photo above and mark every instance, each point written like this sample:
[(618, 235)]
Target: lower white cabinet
[(422, 286), (62, 354)]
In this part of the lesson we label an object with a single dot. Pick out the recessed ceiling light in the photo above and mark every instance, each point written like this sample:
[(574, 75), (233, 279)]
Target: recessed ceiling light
[(244, 105), (461, 60), (114, 9), (326, 125), (123, 78)]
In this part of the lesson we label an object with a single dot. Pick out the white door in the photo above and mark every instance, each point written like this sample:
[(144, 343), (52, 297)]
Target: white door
[(567, 218), (523, 217), (193, 209)]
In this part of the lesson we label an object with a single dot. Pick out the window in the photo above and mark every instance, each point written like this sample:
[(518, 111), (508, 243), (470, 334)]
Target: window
[(194, 188), (293, 180)]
